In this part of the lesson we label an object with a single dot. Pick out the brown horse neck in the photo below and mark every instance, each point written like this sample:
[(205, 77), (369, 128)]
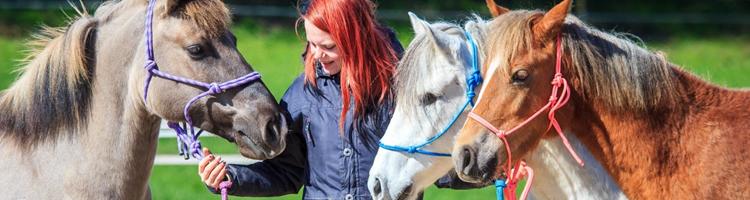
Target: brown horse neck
[(647, 152)]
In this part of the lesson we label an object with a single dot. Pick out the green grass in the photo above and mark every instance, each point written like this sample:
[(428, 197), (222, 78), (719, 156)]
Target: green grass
[(182, 182), (168, 146), (9, 56), (724, 61)]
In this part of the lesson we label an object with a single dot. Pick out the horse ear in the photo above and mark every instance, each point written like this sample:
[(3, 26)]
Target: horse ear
[(495, 9), (550, 25), (419, 25), (422, 27)]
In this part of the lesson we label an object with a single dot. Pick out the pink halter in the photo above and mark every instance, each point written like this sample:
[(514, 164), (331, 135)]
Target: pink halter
[(560, 95)]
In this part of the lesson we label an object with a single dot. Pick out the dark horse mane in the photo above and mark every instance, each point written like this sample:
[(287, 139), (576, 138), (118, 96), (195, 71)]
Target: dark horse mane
[(53, 93)]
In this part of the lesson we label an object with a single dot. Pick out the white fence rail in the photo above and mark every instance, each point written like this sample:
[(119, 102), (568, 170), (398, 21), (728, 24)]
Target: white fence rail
[(166, 132)]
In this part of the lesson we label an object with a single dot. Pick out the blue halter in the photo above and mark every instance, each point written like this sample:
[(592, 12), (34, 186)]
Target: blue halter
[(472, 80)]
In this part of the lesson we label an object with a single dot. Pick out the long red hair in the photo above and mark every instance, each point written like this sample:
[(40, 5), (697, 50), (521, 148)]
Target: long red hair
[(368, 59)]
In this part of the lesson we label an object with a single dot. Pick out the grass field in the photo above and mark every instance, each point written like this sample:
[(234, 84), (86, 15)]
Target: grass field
[(180, 182), (275, 54)]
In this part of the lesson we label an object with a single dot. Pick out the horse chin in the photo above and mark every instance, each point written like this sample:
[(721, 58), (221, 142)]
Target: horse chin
[(481, 179), (406, 193), (251, 149)]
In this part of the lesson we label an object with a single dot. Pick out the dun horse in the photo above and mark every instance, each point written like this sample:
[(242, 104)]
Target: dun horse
[(76, 124), (661, 132)]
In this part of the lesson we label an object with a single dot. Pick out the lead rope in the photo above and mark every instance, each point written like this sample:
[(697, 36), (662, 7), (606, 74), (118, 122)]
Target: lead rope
[(187, 138)]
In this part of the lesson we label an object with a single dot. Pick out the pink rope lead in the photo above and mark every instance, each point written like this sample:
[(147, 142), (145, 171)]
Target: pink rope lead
[(559, 97), (224, 185)]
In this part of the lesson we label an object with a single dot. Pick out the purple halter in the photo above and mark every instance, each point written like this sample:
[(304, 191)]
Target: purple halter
[(187, 138)]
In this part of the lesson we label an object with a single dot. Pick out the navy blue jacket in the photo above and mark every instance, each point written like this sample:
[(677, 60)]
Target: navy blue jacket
[(330, 165)]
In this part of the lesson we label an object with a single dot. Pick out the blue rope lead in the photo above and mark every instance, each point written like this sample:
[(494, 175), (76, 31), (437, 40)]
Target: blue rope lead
[(499, 187)]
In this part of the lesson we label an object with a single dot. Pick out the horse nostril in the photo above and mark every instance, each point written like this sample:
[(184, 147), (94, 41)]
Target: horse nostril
[(468, 162), (272, 129), (377, 189), (405, 193)]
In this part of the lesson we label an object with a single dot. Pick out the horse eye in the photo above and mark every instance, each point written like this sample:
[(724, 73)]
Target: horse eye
[(428, 99), (195, 51), (520, 76)]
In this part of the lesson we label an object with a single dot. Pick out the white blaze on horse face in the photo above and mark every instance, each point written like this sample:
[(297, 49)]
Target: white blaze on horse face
[(491, 71)]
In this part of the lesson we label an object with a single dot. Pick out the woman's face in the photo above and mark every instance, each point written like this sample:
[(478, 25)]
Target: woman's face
[(323, 48)]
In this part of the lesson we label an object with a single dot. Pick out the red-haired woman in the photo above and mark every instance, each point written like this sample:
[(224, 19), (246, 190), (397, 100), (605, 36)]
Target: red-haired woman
[(339, 107)]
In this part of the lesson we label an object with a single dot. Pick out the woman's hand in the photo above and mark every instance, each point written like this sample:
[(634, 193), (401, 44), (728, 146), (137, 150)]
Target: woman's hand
[(212, 169)]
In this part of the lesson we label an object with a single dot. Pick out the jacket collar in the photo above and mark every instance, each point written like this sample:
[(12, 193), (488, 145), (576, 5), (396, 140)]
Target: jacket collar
[(320, 73)]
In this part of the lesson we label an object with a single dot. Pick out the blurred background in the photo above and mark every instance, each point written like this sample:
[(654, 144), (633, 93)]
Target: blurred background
[(709, 38)]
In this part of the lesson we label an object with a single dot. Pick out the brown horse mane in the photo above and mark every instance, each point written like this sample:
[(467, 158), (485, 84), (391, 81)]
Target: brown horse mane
[(606, 67)]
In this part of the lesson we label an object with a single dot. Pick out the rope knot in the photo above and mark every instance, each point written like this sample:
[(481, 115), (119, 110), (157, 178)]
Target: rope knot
[(474, 80), (195, 149), (225, 185), (215, 88), (552, 98), (471, 94), (558, 80), (500, 134), (411, 149), (150, 65), (196, 146)]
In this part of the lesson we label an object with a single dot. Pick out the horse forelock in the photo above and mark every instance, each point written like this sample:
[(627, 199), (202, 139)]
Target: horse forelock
[(210, 16)]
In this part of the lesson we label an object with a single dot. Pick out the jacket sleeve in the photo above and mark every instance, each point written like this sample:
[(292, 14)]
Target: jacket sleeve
[(284, 174), (278, 176), (452, 181)]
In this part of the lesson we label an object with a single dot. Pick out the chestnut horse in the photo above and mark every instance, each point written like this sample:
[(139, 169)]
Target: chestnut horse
[(76, 124), (660, 131)]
